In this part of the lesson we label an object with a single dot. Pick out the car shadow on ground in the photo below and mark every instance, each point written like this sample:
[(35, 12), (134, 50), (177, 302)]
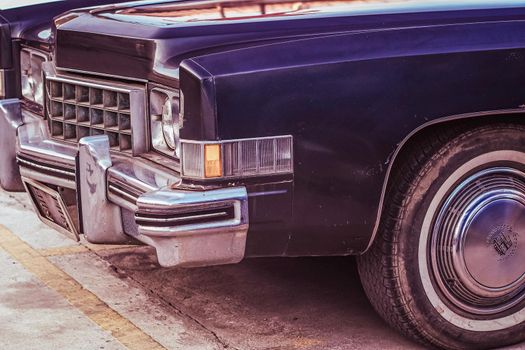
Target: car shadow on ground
[(267, 303)]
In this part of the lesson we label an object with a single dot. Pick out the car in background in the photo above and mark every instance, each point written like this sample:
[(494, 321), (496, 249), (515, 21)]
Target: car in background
[(27, 24), (219, 130)]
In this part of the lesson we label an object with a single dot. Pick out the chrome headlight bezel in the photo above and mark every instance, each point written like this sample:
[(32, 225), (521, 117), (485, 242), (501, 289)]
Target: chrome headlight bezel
[(165, 121), (31, 74)]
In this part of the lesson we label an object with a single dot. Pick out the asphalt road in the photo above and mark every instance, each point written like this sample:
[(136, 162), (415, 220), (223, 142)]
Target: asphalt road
[(59, 294)]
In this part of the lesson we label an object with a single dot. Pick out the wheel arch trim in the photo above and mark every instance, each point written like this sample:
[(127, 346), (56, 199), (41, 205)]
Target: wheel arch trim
[(401, 146)]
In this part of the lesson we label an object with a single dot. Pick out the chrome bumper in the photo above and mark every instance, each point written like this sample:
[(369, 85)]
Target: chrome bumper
[(118, 198), (10, 120)]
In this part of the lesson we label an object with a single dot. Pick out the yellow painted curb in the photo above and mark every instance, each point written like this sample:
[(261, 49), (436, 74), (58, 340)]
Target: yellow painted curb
[(88, 303)]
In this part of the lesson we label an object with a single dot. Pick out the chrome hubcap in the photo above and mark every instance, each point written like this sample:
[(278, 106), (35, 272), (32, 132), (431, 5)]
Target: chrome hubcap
[(478, 243)]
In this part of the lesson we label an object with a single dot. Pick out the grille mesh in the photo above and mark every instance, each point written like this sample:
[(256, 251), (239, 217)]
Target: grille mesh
[(77, 109)]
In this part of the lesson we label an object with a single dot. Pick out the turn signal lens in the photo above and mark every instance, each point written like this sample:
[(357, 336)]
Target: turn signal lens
[(212, 161), (237, 158)]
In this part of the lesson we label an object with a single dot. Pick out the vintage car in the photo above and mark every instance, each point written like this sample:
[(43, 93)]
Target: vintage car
[(215, 131)]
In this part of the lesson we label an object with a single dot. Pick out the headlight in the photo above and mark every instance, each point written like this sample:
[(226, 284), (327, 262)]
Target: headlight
[(165, 123), (237, 158), (31, 75)]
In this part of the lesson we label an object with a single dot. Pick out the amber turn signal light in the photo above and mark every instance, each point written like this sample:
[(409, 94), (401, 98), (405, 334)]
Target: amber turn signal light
[(212, 161)]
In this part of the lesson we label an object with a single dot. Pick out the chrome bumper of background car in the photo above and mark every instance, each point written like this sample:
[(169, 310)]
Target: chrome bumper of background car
[(10, 120), (2, 84), (113, 198), (7, 83)]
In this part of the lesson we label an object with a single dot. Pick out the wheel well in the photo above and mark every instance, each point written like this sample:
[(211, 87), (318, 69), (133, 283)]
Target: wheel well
[(410, 144)]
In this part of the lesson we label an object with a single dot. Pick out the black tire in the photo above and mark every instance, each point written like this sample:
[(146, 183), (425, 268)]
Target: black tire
[(406, 274)]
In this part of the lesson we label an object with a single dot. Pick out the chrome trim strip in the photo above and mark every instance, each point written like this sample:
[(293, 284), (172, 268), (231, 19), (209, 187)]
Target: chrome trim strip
[(266, 193), (45, 168), (87, 83), (164, 200), (122, 198), (129, 196), (181, 218), (48, 179), (104, 75), (215, 142), (191, 229), (49, 151)]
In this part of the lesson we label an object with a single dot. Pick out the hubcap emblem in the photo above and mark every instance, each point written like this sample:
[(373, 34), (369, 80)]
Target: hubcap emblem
[(504, 240)]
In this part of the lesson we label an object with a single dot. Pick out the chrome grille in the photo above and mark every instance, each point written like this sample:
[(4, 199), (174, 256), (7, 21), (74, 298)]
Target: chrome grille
[(76, 109)]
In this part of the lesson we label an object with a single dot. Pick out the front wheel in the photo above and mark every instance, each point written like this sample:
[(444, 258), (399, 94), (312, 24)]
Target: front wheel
[(447, 267)]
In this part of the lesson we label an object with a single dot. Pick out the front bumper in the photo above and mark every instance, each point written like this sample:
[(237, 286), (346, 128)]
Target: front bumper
[(113, 198)]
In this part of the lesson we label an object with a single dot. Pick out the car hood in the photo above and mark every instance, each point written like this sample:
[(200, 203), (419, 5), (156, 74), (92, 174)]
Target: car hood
[(148, 40)]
